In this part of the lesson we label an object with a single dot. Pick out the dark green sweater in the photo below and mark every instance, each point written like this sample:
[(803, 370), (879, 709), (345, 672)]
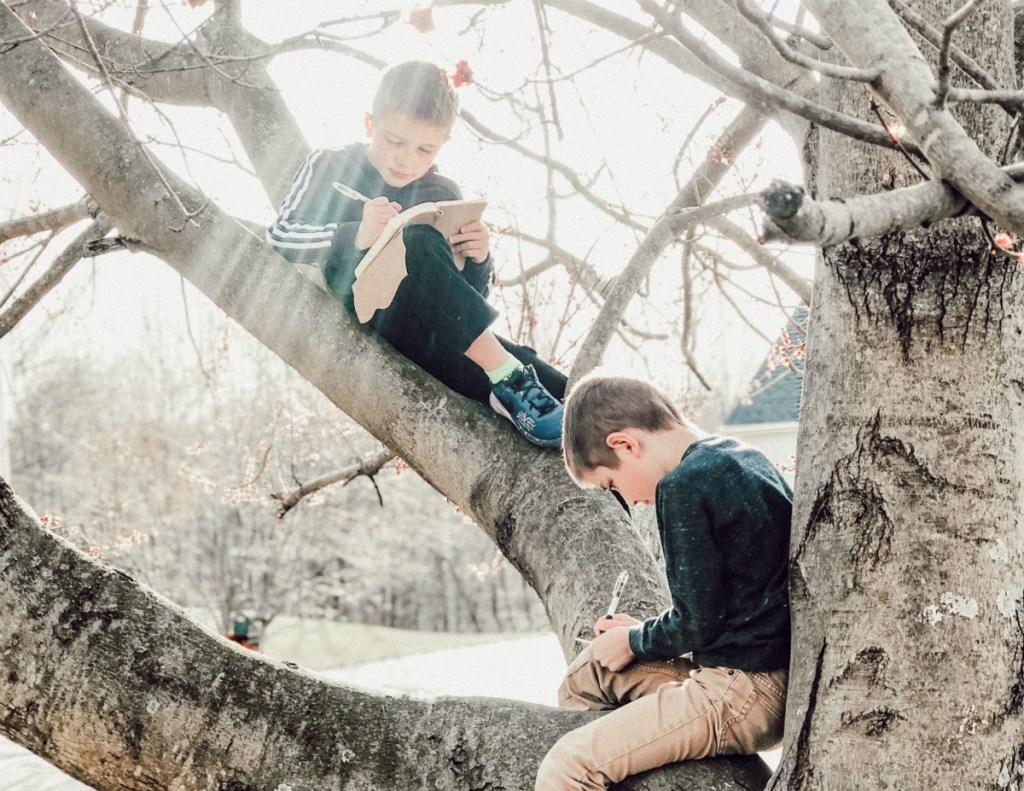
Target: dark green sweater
[(724, 515)]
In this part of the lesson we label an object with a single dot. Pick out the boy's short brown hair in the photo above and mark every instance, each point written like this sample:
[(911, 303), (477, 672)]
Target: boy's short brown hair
[(601, 405), (418, 89)]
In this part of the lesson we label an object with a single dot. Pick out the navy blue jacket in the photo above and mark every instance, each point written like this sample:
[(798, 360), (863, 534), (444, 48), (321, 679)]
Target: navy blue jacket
[(724, 517)]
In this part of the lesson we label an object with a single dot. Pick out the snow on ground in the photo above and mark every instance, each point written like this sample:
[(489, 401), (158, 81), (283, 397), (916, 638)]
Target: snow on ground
[(528, 669)]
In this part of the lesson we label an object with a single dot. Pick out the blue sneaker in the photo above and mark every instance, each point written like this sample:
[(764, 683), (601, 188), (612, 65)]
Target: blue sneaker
[(532, 409)]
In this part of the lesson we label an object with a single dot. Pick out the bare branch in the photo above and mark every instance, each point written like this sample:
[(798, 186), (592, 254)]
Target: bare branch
[(542, 27), (63, 264), (952, 23), (368, 466), (664, 232), (1009, 99), (766, 25), (823, 43), (966, 63), (761, 92), (54, 220), (792, 216), (771, 263)]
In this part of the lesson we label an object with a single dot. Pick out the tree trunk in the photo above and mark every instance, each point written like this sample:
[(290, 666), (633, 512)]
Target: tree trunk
[(907, 551)]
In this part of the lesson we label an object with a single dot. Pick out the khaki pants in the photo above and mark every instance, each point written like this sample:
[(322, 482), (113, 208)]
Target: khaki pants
[(660, 712)]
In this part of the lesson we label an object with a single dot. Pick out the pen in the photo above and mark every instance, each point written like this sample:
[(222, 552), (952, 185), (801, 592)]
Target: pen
[(620, 585), (348, 192)]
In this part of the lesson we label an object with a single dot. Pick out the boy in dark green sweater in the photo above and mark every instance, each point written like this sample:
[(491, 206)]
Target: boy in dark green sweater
[(707, 676)]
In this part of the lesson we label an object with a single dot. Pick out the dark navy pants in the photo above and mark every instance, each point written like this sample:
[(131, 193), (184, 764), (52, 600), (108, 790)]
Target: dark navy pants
[(436, 314)]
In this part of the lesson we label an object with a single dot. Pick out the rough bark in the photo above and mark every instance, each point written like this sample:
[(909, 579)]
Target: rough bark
[(95, 644), (121, 690), (906, 556)]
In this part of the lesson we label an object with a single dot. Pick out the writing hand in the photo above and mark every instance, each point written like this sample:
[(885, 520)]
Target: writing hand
[(473, 241), (376, 214), (603, 624), (611, 649)]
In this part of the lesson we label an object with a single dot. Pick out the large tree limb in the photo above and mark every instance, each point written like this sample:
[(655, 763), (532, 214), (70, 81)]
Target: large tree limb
[(870, 35), (228, 73), (116, 686)]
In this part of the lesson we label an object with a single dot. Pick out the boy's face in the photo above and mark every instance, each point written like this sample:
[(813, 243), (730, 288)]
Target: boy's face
[(403, 148), (635, 477)]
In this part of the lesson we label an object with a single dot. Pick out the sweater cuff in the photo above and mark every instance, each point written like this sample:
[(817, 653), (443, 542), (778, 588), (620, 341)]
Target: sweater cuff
[(634, 641)]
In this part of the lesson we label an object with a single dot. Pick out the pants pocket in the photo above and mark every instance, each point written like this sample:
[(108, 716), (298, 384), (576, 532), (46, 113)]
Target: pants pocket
[(751, 717)]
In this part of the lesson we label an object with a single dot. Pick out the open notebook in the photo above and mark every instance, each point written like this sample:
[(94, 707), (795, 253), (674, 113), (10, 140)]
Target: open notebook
[(381, 271)]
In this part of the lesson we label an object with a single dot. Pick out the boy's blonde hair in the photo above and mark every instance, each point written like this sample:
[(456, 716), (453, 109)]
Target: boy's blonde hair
[(418, 89), (601, 405)]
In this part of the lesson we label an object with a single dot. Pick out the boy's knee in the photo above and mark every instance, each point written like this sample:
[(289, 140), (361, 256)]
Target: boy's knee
[(583, 688), (421, 238)]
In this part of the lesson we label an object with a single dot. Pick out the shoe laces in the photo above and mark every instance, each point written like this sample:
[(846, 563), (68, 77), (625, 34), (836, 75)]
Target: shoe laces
[(533, 392)]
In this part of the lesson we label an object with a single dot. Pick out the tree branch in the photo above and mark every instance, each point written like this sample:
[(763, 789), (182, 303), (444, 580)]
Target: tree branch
[(766, 25), (54, 220), (368, 466), (906, 84), (761, 92), (42, 286), (663, 233)]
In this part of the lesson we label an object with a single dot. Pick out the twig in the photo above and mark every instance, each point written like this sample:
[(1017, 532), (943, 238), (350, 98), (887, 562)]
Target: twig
[(896, 139), (538, 9), (63, 264), (766, 26), (191, 334), (369, 466), (952, 23)]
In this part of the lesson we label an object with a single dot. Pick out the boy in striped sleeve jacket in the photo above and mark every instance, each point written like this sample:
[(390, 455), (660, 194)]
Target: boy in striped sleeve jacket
[(439, 318)]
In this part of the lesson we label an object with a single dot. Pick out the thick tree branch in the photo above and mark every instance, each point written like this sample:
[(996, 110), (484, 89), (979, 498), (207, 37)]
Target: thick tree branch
[(230, 76), (870, 34), (791, 215), (125, 692)]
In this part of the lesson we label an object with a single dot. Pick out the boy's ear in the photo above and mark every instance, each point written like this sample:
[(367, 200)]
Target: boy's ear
[(368, 124), (623, 441)]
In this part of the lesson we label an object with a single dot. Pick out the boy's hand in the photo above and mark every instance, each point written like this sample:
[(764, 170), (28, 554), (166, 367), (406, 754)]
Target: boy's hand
[(473, 241), (611, 649), (376, 214), (603, 624)]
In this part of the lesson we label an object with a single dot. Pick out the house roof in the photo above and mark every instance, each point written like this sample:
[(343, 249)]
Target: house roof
[(774, 393)]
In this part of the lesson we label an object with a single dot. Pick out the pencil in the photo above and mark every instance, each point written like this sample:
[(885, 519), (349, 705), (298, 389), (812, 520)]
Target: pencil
[(348, 192)]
